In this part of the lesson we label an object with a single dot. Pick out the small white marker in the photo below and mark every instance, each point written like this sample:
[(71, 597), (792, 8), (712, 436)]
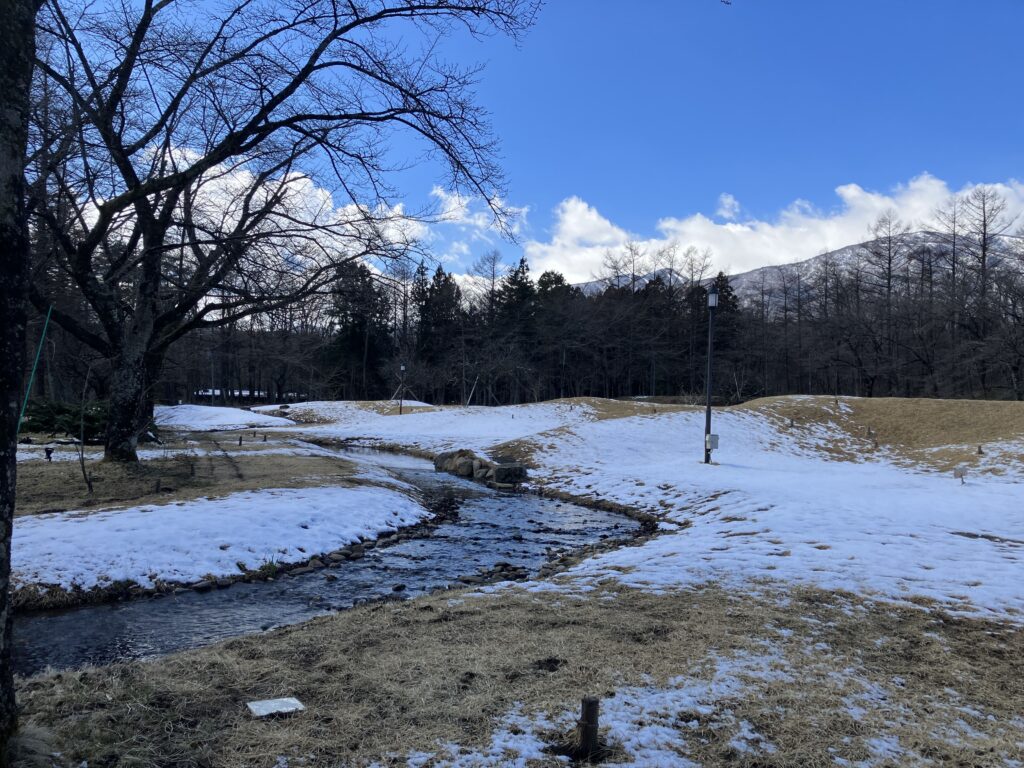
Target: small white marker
[(268, 707)]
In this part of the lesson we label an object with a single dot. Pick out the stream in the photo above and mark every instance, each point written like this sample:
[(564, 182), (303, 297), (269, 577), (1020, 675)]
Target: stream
[(489, 527)]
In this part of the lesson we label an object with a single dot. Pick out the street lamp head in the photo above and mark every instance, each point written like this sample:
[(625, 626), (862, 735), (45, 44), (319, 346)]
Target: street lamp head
[(713, 296)]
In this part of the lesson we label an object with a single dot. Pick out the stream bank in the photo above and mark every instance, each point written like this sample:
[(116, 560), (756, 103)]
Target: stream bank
[(487, 536)]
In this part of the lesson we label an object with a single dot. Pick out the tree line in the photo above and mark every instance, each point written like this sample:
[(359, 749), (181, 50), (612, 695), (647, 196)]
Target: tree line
[(934, 312)]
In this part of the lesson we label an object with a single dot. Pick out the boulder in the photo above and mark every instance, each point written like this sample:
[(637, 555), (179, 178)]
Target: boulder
[(464, 467), (203, 586), (450, 460)]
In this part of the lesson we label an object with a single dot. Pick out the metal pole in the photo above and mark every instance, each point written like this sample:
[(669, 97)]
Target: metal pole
[(707, 380), (401, 393), (32, 376)]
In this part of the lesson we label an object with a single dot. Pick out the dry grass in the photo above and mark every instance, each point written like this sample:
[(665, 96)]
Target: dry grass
[(603, 408), (600, 408), (381, 407), (941, 434), (911, 423), (382, 680), (226, 468)]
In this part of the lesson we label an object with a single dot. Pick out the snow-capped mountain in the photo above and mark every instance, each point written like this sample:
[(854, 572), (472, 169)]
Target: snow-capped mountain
[(770, 277)]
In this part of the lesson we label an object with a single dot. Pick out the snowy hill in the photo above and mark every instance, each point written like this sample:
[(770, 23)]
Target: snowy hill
[(749, 284), (599, 285), (770, 277)]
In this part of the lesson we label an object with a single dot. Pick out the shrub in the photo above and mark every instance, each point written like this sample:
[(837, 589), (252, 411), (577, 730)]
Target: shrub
[(53, 418)]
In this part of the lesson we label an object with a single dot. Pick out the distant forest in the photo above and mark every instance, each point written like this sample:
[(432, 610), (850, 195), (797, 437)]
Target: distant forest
[(938, 313)]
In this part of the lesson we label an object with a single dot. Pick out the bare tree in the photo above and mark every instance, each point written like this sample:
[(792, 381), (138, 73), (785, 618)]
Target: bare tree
[(695, 265), (201, 157), (987, 225), (986, 222), (487, 272), (886, 258), (17, 43)]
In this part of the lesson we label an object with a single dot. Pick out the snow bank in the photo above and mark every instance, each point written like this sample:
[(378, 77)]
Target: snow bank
[(775, 508), (477, 428), (206, 418), (189, 540)]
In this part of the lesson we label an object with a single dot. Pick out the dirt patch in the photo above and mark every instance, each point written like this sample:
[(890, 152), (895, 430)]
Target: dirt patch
[(382, 680)]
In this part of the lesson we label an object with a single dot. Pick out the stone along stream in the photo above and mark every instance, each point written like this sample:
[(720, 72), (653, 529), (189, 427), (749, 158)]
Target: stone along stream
[(488, 527)]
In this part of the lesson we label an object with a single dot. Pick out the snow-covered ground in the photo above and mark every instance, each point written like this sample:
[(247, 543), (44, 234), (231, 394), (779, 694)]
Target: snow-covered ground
[(777, 504), (477, 427), (188, 541), (208, 418), (770, 508)]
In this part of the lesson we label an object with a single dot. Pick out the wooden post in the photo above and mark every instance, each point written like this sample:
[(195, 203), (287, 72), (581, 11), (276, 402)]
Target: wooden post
[(589, 745), (239, 439), (583, 744)]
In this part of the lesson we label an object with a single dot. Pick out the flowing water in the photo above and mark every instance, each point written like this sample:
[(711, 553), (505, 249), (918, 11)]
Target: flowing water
[(488, 527)]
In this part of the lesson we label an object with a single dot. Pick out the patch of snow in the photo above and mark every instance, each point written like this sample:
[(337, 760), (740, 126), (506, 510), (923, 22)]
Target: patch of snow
[(208, 418), (772, 508), (187, 541), (478, 428), (650, 724)]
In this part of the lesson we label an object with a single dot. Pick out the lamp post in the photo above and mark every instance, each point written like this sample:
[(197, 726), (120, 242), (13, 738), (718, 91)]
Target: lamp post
[(401, 391), (712, 303)]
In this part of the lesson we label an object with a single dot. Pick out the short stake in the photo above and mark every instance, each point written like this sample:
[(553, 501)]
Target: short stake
[(589, 745), (583, 744)]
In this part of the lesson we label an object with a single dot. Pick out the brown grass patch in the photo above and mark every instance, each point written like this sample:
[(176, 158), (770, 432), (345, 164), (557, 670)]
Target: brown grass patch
[(382, 680), (58, 486), (941, 434), (382, 407), (604, 408)]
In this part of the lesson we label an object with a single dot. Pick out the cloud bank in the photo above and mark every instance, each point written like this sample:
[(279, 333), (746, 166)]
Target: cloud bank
[(581, 236)]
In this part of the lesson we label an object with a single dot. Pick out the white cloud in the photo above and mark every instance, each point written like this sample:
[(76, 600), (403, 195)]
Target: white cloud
[(471, 214), (582, 236), (728, 207), (581, 239)]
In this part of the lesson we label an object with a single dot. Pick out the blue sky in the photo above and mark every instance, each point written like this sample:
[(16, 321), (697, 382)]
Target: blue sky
[(643, 114)]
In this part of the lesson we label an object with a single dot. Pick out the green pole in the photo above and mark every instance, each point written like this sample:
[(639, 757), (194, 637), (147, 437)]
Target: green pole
[(32, 376)]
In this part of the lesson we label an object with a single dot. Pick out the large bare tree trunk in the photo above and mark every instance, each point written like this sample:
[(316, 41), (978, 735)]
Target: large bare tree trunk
[(17, 51), (131, 400), (126, 406)]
